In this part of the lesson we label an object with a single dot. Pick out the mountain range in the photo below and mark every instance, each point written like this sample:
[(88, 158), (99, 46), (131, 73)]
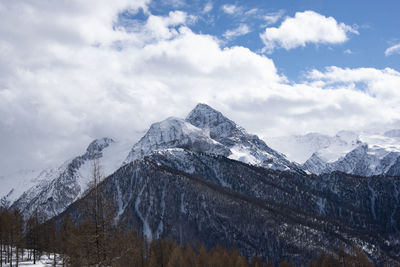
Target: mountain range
[(364, 153), (204, 130), (205, 179)]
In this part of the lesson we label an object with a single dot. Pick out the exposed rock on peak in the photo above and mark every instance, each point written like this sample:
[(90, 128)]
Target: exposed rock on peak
[(205, 117), (206, 130), (175, 133), (96, 147)]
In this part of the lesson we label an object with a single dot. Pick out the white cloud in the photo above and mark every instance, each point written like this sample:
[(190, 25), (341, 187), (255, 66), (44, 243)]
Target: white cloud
[(231, 9), (174, 3), (306, 27), (208, 7), (71, 85), (395, 49), (348, 51), (381, 84), (272, 18), (160, 27), (242, 29), (252, 12)]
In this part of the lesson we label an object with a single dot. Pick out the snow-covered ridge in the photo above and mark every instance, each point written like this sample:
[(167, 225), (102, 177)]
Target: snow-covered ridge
[(175, 132), (300, 148), (55, 189), (362, 153), (207, 130), (204, 130)]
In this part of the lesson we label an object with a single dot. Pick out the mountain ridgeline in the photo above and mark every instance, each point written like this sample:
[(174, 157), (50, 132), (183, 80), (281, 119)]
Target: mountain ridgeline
[(206, 180)]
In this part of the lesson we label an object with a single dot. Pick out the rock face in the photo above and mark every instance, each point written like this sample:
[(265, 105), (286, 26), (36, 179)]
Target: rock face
[(190, 196), (360, 161)]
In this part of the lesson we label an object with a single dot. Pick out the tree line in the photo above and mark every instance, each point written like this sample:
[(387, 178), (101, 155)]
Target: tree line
[(84, 245)]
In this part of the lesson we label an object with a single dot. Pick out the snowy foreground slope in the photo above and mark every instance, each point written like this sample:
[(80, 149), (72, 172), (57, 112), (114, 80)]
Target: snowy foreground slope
[(362, 154)]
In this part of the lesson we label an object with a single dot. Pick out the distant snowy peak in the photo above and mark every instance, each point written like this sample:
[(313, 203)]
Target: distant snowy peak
[(14, 184), (363, 161), (381, 144), (360, 153), (300, 148), (349, 137), (207, 130), (55, 189), (96, 147), (341, 144)]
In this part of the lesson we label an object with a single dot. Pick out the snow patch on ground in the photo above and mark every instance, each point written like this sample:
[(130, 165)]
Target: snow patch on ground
[(44, 261), (321, 205), (241, 153)]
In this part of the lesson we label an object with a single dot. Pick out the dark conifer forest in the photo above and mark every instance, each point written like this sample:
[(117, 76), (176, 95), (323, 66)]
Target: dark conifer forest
[(96, 241)]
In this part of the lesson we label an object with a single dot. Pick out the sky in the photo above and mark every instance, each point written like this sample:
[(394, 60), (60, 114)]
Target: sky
[(72, 71)]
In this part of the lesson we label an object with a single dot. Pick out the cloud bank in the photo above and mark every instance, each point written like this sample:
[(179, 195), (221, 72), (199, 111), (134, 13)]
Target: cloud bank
[(84, 76)]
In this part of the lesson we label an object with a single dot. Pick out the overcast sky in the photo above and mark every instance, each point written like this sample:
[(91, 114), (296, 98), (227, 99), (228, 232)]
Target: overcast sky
[(72, 70)]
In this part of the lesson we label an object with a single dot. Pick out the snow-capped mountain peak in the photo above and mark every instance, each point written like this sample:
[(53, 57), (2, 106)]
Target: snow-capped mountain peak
[(205, 130), (96, 147), (209, 131), (175, 133), (361, 153), (219, 126), (53, 190), (300, 148)]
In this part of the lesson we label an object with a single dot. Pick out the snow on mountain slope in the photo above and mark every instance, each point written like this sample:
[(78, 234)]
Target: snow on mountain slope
[(243, 146), (300, 148), (207, 130), (172, 133), (364, 153), (70, 180), (381, 144), (13, 185), (111, 159)]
